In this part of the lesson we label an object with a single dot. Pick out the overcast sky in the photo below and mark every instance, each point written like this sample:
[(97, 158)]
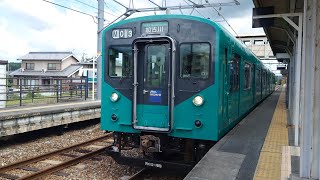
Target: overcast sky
[(35, 25)]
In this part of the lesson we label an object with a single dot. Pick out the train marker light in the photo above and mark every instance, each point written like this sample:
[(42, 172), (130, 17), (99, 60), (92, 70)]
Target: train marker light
[(198, 100), (114, 117), (114, 97), (198, 123)]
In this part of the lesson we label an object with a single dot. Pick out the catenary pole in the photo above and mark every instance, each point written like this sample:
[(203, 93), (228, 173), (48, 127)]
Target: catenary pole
[(99, 46)]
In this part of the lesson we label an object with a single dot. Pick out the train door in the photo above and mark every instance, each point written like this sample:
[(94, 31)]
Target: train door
[(258, 85), (234, 88), (152, 105), (225, 73), (264, 84), (253, 83)]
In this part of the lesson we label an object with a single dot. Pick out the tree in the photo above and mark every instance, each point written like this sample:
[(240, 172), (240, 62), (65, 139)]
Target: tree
[(12, 66)]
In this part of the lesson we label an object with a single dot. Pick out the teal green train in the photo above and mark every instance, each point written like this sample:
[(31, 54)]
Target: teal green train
[(173, 85)]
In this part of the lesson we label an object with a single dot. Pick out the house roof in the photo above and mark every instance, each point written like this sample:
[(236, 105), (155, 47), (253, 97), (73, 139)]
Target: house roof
[(48, 56), (64, 73), (3, 62)]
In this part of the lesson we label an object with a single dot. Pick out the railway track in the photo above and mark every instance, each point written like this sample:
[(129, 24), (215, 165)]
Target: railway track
[(139, 175), (152, 174), (33, 173)]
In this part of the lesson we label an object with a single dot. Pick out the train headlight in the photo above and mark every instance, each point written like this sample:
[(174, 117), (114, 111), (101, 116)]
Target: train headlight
[(114, 97), (198, 100)]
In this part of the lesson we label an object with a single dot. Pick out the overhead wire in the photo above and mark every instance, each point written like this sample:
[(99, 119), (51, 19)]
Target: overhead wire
[(219, 13), (195, 10), (95, 7), (116, 9), (211, 15)]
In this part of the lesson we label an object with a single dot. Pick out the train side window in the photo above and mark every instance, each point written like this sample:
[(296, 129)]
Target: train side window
[(234, 73), (247, 76), (194, 60), (263, 78), (120, 61), (253, 71), (258, 79)]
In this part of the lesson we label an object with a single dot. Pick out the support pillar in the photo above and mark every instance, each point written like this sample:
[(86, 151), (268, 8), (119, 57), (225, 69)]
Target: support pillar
[(310, 114)]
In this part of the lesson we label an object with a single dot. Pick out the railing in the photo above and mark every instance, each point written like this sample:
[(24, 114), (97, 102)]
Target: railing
[(28, 91)]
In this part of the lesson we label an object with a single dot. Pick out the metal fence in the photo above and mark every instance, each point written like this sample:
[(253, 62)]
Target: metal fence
[(27, 91)]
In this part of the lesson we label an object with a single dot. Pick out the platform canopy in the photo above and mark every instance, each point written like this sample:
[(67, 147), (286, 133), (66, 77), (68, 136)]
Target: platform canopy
[(279, 33)]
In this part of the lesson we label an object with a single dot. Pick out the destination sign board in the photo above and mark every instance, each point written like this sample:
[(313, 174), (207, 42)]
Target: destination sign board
[(121, 33), (155, 27)]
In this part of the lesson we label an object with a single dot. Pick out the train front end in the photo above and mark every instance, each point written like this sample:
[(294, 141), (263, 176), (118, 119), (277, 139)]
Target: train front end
[(158, 89)]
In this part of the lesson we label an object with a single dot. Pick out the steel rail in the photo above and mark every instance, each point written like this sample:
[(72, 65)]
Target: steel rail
[(139, 174), (63, 165), (45, 156)]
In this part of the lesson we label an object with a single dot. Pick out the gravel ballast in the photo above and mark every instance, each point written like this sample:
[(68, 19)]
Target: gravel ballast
[(36, 143)]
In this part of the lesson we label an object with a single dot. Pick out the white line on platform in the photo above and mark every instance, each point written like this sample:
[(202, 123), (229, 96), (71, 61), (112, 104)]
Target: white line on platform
[(43, 107)]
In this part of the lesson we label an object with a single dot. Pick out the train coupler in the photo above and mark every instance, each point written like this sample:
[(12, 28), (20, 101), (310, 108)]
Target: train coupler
[(150, 143)]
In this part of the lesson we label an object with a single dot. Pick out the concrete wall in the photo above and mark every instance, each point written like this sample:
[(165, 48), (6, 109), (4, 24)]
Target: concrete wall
[(16, 124), (259, 46), (3, 86)]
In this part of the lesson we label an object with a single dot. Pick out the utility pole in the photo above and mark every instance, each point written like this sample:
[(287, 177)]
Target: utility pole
[(99, 46)]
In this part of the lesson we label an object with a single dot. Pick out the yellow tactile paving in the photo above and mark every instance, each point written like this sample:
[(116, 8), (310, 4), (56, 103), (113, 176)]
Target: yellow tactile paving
[(269, 164)]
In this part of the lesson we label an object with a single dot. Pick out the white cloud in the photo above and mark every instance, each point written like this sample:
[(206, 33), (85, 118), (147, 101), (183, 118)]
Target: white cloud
[(62, 30), (35, 25), (242, 26), (10, 44)]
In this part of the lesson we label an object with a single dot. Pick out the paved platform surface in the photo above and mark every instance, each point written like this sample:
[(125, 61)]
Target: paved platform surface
[(236, 155), (20, 112), (275, 144)]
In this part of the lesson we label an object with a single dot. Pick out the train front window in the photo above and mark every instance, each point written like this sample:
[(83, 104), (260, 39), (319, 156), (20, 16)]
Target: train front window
[(120, 61), (194, 60), (156, 74)]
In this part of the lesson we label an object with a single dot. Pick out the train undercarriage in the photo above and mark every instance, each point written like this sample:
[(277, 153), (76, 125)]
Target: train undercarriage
[(158, 150)]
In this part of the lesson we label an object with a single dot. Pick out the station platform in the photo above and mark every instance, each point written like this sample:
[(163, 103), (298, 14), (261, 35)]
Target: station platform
[(26, 111), (251, 150), (25, 119)]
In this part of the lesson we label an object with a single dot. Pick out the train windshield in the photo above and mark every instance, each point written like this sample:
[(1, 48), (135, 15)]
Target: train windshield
[(120, 61), (156, 74), (194, 60)]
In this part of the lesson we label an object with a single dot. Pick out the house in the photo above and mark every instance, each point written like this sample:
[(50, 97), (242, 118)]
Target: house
[(44, 68)]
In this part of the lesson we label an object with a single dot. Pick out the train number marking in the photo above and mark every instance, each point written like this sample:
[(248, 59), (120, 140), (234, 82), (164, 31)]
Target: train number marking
[(121, 33)]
